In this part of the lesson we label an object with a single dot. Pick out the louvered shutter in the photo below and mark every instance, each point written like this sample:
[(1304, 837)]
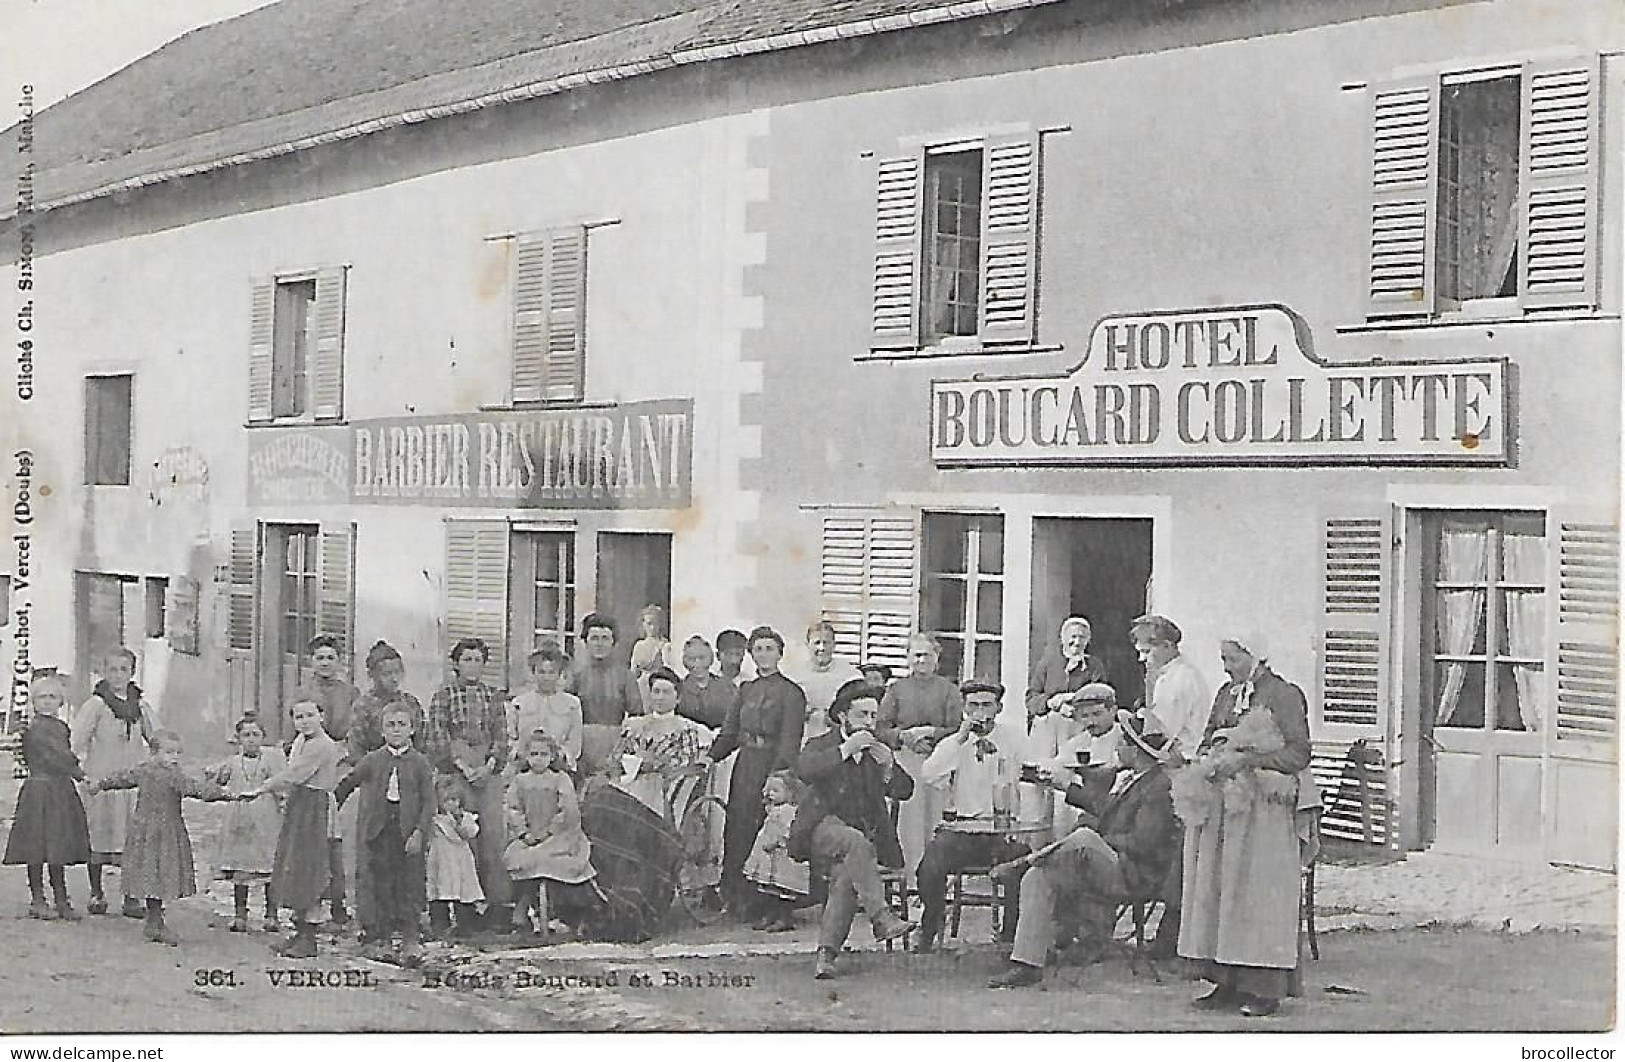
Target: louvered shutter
[(1352, 701), (1404, 178), (242, 615), (1559, 164), (868, 584), (335, 581), (261, 320), (529, 318), (550, 312), (477, 589), (327, 367), (899, 185), (1009, 268)]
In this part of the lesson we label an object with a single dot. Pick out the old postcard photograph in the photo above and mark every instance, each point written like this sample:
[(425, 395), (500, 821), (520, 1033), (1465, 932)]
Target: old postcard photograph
[(812, 516)]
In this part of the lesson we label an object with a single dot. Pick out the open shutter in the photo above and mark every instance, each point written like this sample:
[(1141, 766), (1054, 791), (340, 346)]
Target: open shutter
[(529, 317), (1558, 156), (1582, 794), (1349, 725), (1404, 176), (868, 584), (566, 313), (261, 319), (335, 580), (899, 185), (477, 588), (327, 368), (242, 613), (1009, 267)]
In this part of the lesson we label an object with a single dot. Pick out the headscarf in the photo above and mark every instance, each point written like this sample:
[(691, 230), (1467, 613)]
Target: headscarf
[(1257, 646), (1088, 635)]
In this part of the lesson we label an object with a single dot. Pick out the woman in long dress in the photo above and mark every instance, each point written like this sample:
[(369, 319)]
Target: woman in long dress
[(112, 732), (1241, 864), (919, 710)]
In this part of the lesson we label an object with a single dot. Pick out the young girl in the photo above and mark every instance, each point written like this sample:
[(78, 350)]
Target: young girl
[(300, 871), (157, 850), (248, 846), (782, 882), (544, 830), (111, 732), (48, 829), (650, 651), (454, 882)]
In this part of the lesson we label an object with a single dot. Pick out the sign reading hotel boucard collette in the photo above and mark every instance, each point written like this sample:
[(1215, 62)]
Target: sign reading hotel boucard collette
[(1238, 385)]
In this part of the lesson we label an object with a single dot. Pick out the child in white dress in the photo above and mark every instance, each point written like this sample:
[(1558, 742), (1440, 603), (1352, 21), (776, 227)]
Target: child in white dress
[(781, 882), (453, 880), (248, 840)]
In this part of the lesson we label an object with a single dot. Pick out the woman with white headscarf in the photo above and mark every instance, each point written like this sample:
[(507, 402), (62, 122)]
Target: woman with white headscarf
[(1241, 863)]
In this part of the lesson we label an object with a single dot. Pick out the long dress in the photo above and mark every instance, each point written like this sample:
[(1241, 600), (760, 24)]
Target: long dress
[(912, 701), (543, 805), (158, 852), (300, 871), (49, 824), (1241, 867), (467, 726), (765, 726), (770, 867), (105, 745), (451, 872), (249, 834)]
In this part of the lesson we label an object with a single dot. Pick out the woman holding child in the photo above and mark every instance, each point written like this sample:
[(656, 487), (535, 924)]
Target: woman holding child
[(1239, 801)]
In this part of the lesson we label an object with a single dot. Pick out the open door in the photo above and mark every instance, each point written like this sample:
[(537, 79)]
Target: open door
[(634, 571)]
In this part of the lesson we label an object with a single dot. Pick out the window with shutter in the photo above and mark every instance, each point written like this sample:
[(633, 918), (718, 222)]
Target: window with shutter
[(327, 370), (1403, 135), (956, 246), (1588, 632), (261, 318), (335, 585), (867, 583), (477, 589), (549, 315), (1560, 151), (1351, 656), (296, 347), (242, 617)]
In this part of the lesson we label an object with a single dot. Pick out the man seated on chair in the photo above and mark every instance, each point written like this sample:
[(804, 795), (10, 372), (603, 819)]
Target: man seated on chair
[(842, 826), (965, 764), (1119, 855)]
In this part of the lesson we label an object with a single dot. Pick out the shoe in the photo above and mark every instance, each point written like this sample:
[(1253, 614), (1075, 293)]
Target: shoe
[(1259, 1007), (37, 909), (1019, 975), (824, 970), (1221, 997), (888, 926), (66, 912), (134, 908), (97, 905), (302, 945), (239, 924), (156, 931)]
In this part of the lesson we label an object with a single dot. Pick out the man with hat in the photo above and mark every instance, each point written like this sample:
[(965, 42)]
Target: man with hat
[(842, 826), (967, 764), (1087, 760), (1120, 854)]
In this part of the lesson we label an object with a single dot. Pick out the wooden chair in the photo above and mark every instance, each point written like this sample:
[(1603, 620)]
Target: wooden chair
[(959, 897)]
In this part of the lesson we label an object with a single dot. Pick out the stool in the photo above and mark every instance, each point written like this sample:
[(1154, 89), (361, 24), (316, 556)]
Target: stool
[(959, 898), (1140, 912), (895, 884)]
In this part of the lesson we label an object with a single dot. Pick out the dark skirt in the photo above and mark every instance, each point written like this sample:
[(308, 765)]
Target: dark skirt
[(300, 874), (746, 811), (636, 856), (49, 826)]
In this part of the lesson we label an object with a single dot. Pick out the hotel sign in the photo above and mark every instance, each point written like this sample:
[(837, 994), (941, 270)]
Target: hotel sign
[(1237, 386), (633, 456)]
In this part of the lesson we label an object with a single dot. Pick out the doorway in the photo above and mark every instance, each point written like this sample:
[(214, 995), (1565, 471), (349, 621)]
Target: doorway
[(634, 571), (1099, 569)]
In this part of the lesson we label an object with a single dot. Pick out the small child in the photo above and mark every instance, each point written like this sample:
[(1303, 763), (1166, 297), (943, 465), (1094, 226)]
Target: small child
[(49, 829), (301, 871), (157, 850), (454, 880), (545, 841), (547, 707), (781, 882), (393, 826), (650, 651), (248, 845)]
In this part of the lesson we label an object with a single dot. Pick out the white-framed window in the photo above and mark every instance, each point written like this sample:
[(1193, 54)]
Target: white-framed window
[(108, 423), (1484, 191), (962, 600), (296, 347), (956, 247), (543, 575)]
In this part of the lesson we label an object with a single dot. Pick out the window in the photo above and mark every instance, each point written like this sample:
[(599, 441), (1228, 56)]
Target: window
[(1487, 629), (963, 605), (956, 247), (107, 430), (296, 348), (297, 603), (1484, 192), (544, 569), (157, 604), (549, 315)]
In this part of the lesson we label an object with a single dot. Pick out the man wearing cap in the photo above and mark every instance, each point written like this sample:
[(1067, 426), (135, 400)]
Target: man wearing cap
[(1120, 854), (1089, 759), (966, 765)]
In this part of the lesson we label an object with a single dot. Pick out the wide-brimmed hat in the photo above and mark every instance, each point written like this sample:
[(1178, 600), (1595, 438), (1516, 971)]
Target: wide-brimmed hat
[(1133, 728)]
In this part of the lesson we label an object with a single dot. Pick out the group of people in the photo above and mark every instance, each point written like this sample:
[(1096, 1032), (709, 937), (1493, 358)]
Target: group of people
[(562, 806)]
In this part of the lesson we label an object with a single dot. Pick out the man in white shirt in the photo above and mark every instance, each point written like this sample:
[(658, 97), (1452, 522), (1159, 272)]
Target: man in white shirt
[(1177, 700), (968, 764)]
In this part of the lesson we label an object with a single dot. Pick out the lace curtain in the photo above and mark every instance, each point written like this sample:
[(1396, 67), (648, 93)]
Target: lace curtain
[(1524, 561), (1463, 558)]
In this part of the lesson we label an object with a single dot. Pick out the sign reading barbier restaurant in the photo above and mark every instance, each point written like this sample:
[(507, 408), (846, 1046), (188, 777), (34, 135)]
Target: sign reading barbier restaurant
[(1228, 386), (633, 456)]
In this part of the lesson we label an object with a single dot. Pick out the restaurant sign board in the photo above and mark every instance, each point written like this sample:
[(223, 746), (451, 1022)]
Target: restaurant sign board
[(1239, 386), (633, 456)]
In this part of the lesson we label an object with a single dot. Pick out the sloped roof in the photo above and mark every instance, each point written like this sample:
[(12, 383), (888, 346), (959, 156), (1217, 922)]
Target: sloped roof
[(302, 72)]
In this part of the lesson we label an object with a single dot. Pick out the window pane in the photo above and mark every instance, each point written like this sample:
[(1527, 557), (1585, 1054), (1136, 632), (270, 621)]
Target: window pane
[(953, 655), (946, 607), (1520, 697), (945, 542), (547, 608), (1459, 623), (989, 608), (1478, 189), (991, 558), (1459, 696), (987, 660), (1523, 624)]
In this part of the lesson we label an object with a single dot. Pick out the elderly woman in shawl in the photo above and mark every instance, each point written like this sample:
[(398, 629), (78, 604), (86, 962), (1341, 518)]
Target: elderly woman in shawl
[(1239, 800)]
